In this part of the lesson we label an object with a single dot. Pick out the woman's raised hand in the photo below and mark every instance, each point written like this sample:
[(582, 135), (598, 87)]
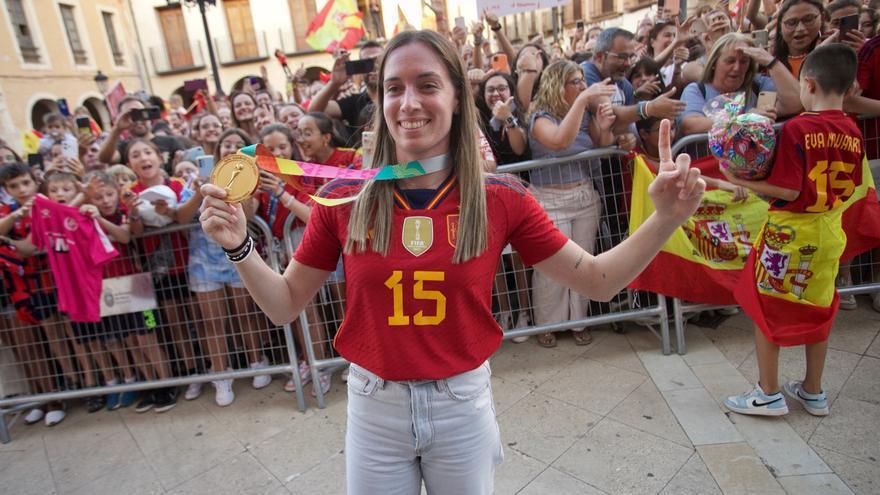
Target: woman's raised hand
[(597, 91), (678, 188), (224, 223)]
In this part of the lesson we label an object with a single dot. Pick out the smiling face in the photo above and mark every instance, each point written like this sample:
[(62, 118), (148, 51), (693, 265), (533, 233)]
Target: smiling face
[(243, 107), (310, 139), (497, 90), (290, 116), (278, 145), (146, 163), (731, 68), (225, 115), (800, 27), (419, 100), (231, 144), (574, 84), (210, 129), (664, 38), (263, 116)]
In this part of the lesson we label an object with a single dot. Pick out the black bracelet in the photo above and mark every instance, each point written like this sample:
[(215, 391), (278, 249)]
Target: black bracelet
[(240, 246), (244, 253), (496, 27), (772, 63)]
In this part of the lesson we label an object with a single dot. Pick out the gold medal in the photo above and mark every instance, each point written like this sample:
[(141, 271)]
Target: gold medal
[(238, 174)]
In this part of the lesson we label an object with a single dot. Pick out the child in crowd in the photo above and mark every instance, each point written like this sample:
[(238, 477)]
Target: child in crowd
[(30, 287), (124, 177), (57, 133), (788, 282), (273, 203)]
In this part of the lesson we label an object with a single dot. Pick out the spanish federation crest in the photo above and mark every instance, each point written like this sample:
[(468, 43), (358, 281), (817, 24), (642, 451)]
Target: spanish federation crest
[(417, 234)]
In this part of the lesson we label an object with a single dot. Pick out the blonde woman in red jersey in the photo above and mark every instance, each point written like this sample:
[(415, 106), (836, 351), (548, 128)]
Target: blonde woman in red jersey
[(420, 257)]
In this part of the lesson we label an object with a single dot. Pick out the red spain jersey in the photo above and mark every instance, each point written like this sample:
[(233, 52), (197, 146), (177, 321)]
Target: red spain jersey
[(820, 155), (413, 314)]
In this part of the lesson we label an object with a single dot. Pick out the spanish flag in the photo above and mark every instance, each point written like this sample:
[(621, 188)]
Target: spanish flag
[(703, 260), (30, 141), (338, 25)]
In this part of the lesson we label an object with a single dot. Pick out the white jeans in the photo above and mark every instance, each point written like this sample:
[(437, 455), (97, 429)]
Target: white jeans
[(441, 431)]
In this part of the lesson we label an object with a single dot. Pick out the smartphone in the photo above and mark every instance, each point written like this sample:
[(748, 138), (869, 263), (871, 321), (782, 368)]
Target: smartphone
[(194, 85), (206, 165), (62, 107), (83, 125), (193, 154), (850, 22), (761, 37), (363, 66), (146, 114), (459, 22), (766, 99), (499, 63), (255, 82), (35, 161), (579, 25)]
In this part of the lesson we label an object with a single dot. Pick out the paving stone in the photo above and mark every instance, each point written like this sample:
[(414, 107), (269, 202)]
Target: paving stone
[(701, 417), (864, 383), (851, 429), (862, 477), (26, 472), (558, 483), (516, 472), (646, 409), (779, 446), (826, 484), (700, 349), (241, 474), (721, 380), (669, 372), (592, 385), (543, 427), (692, 479), (615, 350), (617, 458), (738, 470)]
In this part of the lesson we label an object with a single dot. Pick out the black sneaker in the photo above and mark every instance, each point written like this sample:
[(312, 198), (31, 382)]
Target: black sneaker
[(147, 401), (165, 399), (95, 403)]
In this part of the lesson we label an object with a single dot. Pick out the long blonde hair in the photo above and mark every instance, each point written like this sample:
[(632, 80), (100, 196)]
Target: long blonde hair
[(551, 93), (372, 214)]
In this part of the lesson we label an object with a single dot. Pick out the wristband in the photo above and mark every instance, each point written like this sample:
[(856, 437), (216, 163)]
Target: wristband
[(772, 63), (496, 27), (239, 247), (640, 109), (647, 115), (511, 122), (244, 254)]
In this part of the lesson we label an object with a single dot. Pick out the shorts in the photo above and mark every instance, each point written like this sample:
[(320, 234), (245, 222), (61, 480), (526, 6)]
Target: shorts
[(171, 286), (208, 286), (207, 279), (114, 327)]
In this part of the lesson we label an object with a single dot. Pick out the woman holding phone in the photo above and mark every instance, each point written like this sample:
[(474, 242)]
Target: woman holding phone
[(419, 327)]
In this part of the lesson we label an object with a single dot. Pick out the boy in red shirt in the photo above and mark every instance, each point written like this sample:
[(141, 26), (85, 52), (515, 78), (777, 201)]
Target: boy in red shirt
[(788, 282)]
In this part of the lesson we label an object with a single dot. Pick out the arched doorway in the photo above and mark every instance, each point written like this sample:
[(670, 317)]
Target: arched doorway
[(186, 96), (98, 110), (39, 109), (257, 80)]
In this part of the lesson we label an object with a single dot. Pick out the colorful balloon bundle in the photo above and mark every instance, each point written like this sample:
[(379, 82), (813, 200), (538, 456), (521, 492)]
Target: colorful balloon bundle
[(742, 142)]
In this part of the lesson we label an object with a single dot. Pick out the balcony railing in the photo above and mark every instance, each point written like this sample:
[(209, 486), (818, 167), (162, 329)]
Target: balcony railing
[(179, 57), (232, 51)]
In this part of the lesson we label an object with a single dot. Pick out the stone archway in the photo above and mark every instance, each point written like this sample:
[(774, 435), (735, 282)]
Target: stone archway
[(39, 110), (98, 110)]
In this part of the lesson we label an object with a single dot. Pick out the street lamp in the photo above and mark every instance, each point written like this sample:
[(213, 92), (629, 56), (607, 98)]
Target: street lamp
[(202, 4), (101, 81)]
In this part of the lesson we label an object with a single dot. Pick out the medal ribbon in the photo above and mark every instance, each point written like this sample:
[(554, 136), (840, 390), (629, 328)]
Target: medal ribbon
[(291, 169)]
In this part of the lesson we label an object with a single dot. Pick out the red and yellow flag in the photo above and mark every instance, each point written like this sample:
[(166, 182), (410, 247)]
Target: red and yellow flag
[(338, 25), (30, 141), (703, 259)]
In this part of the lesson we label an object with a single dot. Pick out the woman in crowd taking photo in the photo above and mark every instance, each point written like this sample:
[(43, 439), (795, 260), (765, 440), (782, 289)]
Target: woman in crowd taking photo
[(732, 67), (418, 326), (567, 119)]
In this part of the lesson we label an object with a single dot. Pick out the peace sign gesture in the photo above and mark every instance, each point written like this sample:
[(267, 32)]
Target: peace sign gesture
[(678, 188)]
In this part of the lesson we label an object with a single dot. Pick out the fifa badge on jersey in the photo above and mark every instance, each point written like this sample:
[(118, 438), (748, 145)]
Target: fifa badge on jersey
[(417, 235)]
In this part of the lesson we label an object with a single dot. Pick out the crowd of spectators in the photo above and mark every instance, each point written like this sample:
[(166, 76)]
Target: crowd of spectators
[(536, 99)]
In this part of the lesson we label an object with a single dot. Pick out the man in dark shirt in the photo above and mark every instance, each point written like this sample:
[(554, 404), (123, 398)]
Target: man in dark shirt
[(113, 148), (351, 107)]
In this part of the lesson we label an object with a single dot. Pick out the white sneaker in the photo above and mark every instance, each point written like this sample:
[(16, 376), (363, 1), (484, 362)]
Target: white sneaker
[(324, 381), (34, 416), (729, 310), (520, 339), (305, 376), (261, 381), (55, 417), (193, 391), (345, 374), (224, 394)]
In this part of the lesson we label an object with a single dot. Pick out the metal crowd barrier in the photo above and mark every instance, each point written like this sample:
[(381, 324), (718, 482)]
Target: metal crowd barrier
[(865, 269), (168, 345), (513, 299)]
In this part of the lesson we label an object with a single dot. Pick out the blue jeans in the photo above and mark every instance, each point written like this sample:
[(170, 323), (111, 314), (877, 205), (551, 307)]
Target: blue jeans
[(441, 431)]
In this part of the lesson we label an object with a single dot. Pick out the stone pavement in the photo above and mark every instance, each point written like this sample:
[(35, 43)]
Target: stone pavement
[(613, 417)]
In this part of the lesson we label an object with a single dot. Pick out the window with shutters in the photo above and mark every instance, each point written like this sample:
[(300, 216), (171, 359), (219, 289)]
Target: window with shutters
[(111, 38), (68, 17), (22, 30), (241, 29)]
